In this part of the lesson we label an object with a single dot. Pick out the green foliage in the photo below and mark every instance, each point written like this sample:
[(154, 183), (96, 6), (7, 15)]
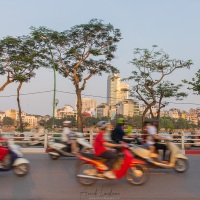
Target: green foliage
[(166, 123), (170, 124), (19, 57), (79, 53), (90, 121), (8, 121), (195, 83), (151, 68), (59, 122), (135, 121)]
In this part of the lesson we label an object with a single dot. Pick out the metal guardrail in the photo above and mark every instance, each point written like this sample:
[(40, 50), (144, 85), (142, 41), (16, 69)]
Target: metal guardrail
[(185, 140)]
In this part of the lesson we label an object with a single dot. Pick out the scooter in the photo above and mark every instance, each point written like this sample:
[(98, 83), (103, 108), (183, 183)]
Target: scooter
[(58, 149), (91, 168), (178, 161), (14, 160)]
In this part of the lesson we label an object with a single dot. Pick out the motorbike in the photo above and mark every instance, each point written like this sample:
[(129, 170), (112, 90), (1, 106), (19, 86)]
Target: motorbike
[(90, 168), (56, 148), (14, 160), (33, 139), (177, 161)]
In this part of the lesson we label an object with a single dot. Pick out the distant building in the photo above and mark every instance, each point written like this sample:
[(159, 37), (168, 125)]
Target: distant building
[(154, 110), (124, 91), (89, 104), (102, 110), (193, 118), (116, 91), (2, 115), (31, 120), (164, 113), (174, 113), (128, 108), (66, 111), (13, 114)]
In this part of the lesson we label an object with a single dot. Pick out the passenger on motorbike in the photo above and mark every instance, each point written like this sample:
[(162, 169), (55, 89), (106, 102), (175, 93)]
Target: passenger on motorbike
[(3, 151), (40, 128), (118, 134), (155, 138), (102, 147), (69, 137)]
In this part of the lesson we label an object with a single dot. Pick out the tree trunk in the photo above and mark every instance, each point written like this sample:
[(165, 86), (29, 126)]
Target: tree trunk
[(145, 112), (21, 129), (79, 110), (4, 85)]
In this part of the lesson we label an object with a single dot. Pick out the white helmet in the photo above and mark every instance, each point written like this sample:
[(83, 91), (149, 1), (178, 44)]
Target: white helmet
[(67, 122), (102, 125)]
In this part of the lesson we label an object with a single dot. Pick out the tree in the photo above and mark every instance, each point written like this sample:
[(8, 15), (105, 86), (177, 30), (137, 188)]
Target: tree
[(166, 123), (8, 121), (151, 68), (135, 121), (195, 83), (164, 91), (81, 52), (19, 58), (7, 46)]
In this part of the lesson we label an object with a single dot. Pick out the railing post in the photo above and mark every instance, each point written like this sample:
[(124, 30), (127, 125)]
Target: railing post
[(45, 140), (183, 142), (91, 138)]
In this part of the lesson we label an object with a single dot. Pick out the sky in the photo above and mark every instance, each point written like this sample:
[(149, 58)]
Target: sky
[(173, 25)]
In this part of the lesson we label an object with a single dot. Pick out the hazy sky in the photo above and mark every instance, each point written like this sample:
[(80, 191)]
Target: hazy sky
[(173, 25)]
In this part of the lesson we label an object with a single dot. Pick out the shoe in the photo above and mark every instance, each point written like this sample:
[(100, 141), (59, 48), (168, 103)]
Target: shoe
[(109, 175), (164, 162), (90, 172), (1, 165)]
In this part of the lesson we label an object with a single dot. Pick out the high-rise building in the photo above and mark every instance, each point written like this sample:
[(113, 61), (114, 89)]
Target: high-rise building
[(102, 110), (116, 91), (128, 108), (88, 104)]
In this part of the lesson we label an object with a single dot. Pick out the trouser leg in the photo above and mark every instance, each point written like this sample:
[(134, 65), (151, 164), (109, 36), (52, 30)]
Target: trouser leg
[(162, 147), (111, 158)]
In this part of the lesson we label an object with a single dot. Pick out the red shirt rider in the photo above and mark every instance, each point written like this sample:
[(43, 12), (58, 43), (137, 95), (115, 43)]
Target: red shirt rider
[(3, 149), (98, 144)]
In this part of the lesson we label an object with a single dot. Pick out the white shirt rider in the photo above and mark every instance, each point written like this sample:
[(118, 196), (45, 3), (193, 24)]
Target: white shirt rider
[(151, 130)]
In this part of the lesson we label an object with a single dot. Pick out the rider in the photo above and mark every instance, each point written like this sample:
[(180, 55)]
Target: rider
[(3, 151), (155, 138), (118, 134), (68, 137), (103, 149), (41, 128)]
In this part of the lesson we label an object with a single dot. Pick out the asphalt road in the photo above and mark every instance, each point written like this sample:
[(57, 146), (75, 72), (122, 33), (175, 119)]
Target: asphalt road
[(55, 180)]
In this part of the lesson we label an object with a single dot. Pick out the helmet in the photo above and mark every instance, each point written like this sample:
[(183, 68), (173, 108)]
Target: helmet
[(121, 121), (67, 122), (102, 125)]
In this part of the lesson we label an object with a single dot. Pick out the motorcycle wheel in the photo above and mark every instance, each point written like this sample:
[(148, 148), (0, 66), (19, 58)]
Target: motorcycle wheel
[(81, 167), (21, 170), (137, 175), (181, 165)]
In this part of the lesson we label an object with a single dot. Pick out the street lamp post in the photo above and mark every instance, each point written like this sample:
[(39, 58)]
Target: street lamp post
[(54, 88)]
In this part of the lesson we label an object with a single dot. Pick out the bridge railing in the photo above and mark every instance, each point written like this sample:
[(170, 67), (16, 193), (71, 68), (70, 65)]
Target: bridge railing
[(36, 140)]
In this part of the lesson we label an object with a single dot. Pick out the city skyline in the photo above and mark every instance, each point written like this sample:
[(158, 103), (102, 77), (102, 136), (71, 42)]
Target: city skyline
[(142, 23)]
